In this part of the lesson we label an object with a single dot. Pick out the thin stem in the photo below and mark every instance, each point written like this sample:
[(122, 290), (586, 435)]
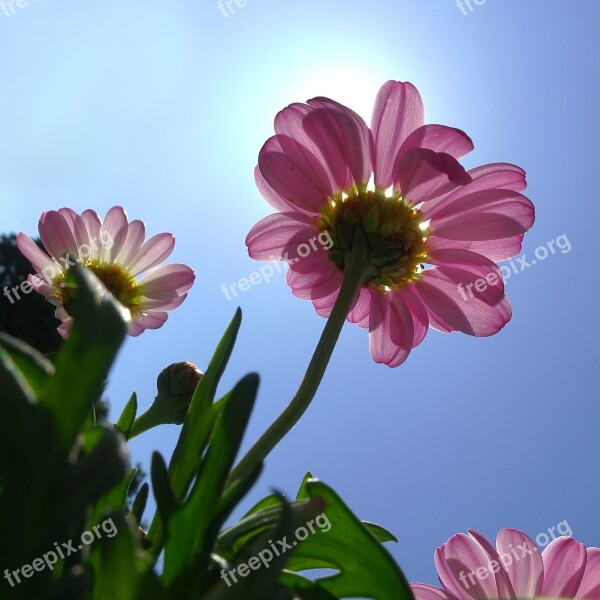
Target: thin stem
[(355, 272), (143, 423)]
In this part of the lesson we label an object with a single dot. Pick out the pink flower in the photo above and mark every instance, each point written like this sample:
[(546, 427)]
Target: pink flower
[(115, 251), (469, 567), (433, 229)]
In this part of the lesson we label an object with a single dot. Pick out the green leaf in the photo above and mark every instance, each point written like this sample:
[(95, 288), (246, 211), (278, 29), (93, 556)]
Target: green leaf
[(33, 365), (139, 504), (127, 418), (303, 588), (123, 572), (15, 387), (115, 499), (264, 515), (381, 533), (189, 524), (86, 357), (260, 582), (199, 423), (188, 452), (231, 497), (18, 422), (100, 471), (166, 500), (366, 569)]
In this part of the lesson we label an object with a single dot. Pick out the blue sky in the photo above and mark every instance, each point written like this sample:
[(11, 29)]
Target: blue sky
[(163, 107)]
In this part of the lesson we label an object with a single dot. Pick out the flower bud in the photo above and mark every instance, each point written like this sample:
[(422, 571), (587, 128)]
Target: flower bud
[(176, 385)]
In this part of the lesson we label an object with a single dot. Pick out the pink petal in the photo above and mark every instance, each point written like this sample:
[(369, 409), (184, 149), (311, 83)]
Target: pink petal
[(496, 176), (564, 564), (31, 251), (167, 282), (288, 179), (475, 263), (300, 129), (422, 173), (391, 329), (360, 313), (153, 252), (526, 572), (278, 236), (355, 136), (495, 250), (56, 235), (438, 138), (136, 232), (314, 276), (422, 591), (418, 311), (135, 329), (77, 226), (324, 306), (465, 555), (397, 113), (503, 585), (148, 304), (486, 215), (277, 201), (65, 328), (61, 314), (93, 225), (113, 233), (589, 588), (500, 176), (458, 296), (151, 320), (308, 164), (453, 586), (39, 285)]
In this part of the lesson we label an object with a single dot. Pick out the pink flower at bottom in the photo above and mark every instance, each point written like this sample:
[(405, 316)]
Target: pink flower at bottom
[(434, 230), (115, 250), (470, 568)]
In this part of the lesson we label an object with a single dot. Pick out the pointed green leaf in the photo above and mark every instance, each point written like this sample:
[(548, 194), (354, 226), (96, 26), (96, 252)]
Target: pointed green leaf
[(163, 490), (365, 568), (123, 572), (139, 504), (86, 357), (188, 452), (261, 583), (189, 525), (127, 418), (200, 420), (303, 588), (33, 365)]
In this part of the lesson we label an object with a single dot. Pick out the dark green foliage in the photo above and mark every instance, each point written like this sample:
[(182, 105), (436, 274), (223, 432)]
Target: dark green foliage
[(31, 318), (64, 474)]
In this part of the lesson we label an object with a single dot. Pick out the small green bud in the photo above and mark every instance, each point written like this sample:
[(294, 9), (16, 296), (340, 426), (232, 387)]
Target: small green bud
[(176, 385)]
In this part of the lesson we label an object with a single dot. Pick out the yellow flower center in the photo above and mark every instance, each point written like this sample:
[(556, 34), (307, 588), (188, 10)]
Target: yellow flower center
[(395, 231), (115, 278)]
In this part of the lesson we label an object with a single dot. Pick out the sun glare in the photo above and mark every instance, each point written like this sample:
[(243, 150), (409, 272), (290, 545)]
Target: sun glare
[(354, 87)]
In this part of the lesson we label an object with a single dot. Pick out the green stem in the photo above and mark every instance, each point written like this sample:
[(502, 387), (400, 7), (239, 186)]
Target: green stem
[(355, 272), (143, 423)]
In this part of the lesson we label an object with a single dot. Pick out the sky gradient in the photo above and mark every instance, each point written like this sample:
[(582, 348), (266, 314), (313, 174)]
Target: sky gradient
[(163, 107)]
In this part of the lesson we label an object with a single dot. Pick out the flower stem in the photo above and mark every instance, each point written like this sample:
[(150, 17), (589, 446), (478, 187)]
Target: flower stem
[(356, 270)]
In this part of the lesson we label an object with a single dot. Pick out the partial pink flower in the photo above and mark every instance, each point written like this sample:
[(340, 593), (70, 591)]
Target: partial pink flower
[(434, 230), (470, 568), (115, 250)]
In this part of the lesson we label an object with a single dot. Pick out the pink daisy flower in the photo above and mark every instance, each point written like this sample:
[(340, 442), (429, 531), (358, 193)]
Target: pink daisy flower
[(115, 250), (434, 230), (469, 567)]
